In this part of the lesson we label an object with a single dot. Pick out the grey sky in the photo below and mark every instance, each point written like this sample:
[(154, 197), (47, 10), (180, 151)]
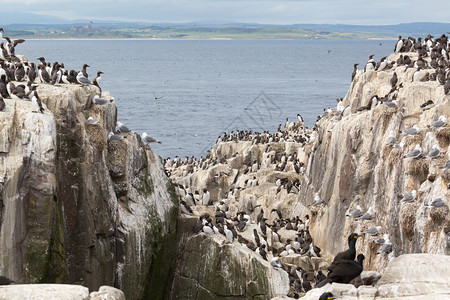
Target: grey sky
[(374, 12)]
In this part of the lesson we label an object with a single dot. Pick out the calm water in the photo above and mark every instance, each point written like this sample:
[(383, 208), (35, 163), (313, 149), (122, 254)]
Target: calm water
[(209, 86)]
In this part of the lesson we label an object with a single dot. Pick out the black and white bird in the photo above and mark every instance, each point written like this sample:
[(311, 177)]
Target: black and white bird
[(97, 80), (276, 263), (37, 104)]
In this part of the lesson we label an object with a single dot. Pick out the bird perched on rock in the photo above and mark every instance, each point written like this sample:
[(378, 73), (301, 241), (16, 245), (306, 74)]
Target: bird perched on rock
[(434, 152), (356, 212), (327, 296), (386, 247), (343, 270), (122, 128), (99, 101), (438, 202), (412, 131), (276, 263), (415, 153), (446, 166), (149, 140), (367, 215), (91, 121), (373, 230), (409, 197), (350, 253), (317, 200), (185, 208), (439, 122)]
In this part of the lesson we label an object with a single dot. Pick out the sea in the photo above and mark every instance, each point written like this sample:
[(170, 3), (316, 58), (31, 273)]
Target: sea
[(207, 87)]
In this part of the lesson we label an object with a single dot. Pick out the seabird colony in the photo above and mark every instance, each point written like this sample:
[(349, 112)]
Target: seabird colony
[(20, 80), (266, 240)]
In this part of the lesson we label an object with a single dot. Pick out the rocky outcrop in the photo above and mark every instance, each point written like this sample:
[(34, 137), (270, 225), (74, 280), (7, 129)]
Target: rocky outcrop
[(343, 162), (58, 292), (409, 276), (227, 271), (77, 207)]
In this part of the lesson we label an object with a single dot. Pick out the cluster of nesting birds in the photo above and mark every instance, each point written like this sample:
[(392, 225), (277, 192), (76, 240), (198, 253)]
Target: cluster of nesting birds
[(25, 74), (293, 132), (266, 240), (344, 267)]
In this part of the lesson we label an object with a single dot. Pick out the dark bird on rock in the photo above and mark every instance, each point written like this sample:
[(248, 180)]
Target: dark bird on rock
[(343, 271), (355, 69), (394, 80), (350, 253), (306, 284), (326, 296)]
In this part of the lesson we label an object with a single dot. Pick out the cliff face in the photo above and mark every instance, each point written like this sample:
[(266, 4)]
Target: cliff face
[(350, 163), (345, 161), (77, 207)]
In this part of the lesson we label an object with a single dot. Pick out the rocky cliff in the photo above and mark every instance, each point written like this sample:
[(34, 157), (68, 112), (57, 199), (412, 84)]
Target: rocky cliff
[(77, 207), (323, 179)]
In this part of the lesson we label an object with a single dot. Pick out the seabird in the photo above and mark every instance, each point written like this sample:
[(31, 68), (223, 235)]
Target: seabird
[(373, 230), (148, 139), (156, 98), (97, 80), (228, 234), (391, 104), (122, 128), (100, 101), (326, 296), (367, 215), (84, 72), (355, 69), (91, 121), (356, 212), (412, 131), (427, 105), (206, 197), (82, 79), (306, 284), (438, 202), (276, 263), (391, 139), (409, 197), (185, 208), (399, 44), (343, 271), (317, 200), (415, 153), (300, 118), (439, 122), (446, 166), (350, 253), (434, 152), (394, 80), (381, 240), (114, 137), (386, 247), (37, 104)]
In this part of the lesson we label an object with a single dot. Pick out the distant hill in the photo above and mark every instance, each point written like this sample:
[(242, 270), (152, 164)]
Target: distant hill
[(30, 25)]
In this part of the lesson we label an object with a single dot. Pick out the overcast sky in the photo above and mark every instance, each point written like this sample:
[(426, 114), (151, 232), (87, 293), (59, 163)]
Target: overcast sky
[(373, 12)]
